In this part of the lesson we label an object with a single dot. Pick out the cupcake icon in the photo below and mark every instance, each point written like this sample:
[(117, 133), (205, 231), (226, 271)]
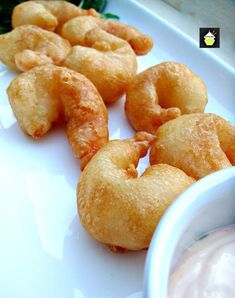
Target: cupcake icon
[(209, 39)]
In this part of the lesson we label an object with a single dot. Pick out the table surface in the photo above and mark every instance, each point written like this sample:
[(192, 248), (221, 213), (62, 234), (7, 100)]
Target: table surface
[(190, 15)]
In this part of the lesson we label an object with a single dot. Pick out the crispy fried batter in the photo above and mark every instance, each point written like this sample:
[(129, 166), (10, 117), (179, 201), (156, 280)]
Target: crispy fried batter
[(47, 93), (118, 208), (76, 29), (28, 46), (49, 15), (162, 93), (198, 144), (108, 61)]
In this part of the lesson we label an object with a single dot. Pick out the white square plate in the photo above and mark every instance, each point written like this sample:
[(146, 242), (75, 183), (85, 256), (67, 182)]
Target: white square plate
[(44, 250)]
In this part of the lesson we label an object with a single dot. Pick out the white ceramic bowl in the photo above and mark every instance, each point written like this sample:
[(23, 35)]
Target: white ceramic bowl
[(206, 205)]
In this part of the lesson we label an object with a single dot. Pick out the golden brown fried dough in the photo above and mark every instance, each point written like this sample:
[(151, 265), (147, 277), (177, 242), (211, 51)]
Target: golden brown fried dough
[(198, 144), (108, 61), (118, 208), (47, 93), (162, 93), (76, 29), (28, 46), (49, 15)]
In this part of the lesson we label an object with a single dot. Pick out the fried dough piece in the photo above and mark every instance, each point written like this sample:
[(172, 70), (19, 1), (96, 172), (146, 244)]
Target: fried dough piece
[(49, 15), (28, 46), (47, 93), (163, 92), (76, 29), (108, 61), (116, 206), (198, 144)]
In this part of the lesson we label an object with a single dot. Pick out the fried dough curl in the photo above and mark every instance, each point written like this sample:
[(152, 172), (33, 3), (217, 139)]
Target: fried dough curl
[(116, 206), (28, 46), (76, 29), (49, 15), (198, 144), (108, 61), (48, 93), (163, 92)]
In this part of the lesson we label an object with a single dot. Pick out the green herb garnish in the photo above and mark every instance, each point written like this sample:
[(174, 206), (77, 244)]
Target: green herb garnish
[(98, 5), (109, 16)]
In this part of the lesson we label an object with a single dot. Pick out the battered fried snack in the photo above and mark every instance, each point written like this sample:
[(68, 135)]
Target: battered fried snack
[(76, 29), (108, 61), (116, 206), (48, 93), (198, 144), (49, 15), (163, 92), (28, 46)]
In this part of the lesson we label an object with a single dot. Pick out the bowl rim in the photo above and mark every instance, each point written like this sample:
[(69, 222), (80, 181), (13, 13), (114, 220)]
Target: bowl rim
[(157, 268)]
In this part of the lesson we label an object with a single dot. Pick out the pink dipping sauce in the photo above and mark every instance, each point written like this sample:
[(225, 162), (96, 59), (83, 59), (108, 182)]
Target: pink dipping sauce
[(207, 268)]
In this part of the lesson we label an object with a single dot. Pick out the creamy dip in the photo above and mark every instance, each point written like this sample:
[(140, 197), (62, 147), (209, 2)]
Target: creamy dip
[(207, 268)]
